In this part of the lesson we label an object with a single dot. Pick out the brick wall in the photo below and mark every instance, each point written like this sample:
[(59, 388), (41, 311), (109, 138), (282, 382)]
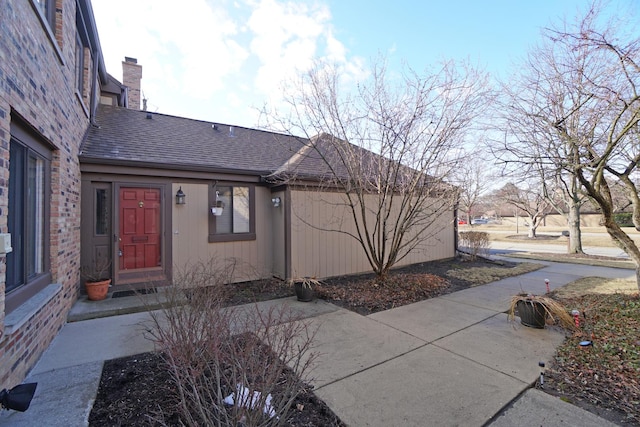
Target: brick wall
[(37, 81), (131, 77)]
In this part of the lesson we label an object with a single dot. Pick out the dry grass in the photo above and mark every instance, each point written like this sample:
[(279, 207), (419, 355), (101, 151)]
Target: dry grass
[(306, 282), (553, 309), (592, 236), (481, 275), (575, 259), (597, 285)]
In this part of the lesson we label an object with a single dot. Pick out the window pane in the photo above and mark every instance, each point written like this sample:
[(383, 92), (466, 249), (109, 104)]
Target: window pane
[(47, 7), (102, 212), (79, 64), (42, 4), (223, 222), (35, 216), (17, 219), (240, 209)]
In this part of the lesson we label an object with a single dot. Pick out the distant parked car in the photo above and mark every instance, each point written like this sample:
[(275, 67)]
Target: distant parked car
[(462, 221), (477, 221)]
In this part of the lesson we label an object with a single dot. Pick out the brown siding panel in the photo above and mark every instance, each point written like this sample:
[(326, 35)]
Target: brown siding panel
[(190, 234), (316, 251)]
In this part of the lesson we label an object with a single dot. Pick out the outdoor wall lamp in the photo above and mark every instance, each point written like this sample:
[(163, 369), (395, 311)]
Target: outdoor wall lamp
[(18, 398), (276, 202), (180, 197)]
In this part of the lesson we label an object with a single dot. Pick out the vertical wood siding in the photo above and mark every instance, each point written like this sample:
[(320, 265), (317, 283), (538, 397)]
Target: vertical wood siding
[(190, 235), (317, 252)]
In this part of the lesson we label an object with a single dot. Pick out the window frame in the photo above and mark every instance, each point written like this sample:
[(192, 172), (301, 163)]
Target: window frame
[(79, 65), (29, 285), (48, 18), (214, 236), (47, 10)]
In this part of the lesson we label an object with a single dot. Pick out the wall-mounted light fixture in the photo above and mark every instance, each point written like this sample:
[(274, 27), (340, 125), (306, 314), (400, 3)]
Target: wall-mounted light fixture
[(277, 201), (180, 197)]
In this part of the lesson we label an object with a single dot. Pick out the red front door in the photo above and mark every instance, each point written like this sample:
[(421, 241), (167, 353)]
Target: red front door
[(139, 228)]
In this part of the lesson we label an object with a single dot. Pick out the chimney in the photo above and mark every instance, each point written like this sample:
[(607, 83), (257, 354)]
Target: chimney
[(131, 76)]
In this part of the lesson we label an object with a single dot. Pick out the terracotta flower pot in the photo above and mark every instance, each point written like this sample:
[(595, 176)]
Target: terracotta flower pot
[(97, 291)]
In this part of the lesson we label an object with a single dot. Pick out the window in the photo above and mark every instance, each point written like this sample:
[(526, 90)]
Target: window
[(28, 214), (237, 221), (49, 13), (47, 10), (102, 212), (82, 59), (79, 65)]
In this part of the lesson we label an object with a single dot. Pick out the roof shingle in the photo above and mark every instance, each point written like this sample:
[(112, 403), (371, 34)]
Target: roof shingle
[(130, 136)]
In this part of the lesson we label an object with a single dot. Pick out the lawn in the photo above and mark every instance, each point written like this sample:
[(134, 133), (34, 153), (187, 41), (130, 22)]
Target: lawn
[(591, 236)]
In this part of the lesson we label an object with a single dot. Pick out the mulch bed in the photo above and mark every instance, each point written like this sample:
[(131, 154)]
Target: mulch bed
[(366, 294), (139, 391)]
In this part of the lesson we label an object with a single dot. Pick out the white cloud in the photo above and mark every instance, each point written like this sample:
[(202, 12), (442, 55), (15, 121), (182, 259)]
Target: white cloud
[(286, 38), (217, 59)]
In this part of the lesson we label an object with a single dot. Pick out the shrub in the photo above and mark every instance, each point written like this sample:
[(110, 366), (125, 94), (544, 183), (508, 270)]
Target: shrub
[(259, 356), (476, 241), (623, 219)]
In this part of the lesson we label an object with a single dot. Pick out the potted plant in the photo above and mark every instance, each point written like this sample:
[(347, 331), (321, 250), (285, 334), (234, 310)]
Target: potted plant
[(304, 288), (96, 279), (218, 208), (534, 310)]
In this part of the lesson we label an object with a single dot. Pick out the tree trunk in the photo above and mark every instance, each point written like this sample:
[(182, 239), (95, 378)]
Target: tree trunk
[(626, 244), (534, 222), (575, 234)]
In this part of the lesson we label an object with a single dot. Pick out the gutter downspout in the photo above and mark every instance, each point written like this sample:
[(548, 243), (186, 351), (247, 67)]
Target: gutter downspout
[(455, 229), (94, 89)]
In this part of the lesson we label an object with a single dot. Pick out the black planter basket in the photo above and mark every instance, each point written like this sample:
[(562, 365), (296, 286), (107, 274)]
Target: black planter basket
[(304, 293), (532, 313)]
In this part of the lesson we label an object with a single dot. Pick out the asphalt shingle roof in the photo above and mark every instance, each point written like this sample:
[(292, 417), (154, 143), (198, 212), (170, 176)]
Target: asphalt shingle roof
[(125, 135)]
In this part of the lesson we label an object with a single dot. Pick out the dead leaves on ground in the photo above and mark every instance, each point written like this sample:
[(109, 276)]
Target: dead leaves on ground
[(607, 373), (373, 295)]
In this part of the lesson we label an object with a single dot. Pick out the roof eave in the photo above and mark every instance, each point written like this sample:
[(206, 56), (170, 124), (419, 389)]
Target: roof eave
[(174, 166)]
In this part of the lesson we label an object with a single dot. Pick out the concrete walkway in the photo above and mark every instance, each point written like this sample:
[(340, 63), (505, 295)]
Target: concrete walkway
[(447, 361)]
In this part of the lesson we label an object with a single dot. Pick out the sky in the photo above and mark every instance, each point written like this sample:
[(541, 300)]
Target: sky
[(223, 60)]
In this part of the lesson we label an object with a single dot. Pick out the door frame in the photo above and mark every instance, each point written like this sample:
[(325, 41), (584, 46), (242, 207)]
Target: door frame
[(133, 279)]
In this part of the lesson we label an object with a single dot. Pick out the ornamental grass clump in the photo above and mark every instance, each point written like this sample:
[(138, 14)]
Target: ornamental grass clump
[(553, 309), (305, 282)]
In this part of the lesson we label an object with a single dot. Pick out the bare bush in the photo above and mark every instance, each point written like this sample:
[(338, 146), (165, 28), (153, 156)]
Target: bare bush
[(476, 241), (256, 358)]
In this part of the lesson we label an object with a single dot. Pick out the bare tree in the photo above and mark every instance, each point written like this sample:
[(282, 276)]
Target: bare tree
[(528, 198), (532, 110), (472, 176), (387, 147), (579, 111)]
